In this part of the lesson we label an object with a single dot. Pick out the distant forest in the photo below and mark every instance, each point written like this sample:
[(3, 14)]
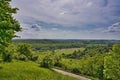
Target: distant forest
[(48, 44)]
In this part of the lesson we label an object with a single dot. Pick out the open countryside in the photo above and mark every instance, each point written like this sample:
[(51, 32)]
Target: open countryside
[(59, 40)]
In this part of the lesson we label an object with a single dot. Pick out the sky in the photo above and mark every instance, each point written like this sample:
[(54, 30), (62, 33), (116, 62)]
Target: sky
[(68, 19)]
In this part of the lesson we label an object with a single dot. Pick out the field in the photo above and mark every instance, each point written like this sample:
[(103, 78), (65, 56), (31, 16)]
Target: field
[(68, 50), (18, 70)]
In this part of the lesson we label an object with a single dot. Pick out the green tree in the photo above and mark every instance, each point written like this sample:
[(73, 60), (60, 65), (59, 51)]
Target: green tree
[(8, 25), (51, 60), (9, 53), (48, 62), (25, 49), (112, 63)]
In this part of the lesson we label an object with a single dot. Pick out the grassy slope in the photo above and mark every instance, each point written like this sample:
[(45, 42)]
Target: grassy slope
[(28, 71)]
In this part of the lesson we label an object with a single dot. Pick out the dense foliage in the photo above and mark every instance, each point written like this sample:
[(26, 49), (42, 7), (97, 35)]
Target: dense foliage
[(8, 25), (112, 63), (89, 51), (24, 51), (97, 62), (50, 61)]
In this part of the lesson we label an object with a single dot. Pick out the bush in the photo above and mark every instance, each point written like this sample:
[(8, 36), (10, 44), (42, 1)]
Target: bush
[(1, 67), (25, 49), (47, 62), (112, 63), (34, 57), (75, 70), (8, 53), (22, 57), (7, 57)]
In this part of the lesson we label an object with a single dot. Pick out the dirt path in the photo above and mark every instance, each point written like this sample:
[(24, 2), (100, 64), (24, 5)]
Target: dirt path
[(70, 74)]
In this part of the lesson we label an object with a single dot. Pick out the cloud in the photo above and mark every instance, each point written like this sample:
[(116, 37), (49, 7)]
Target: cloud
[(68, 18), (36, 27), (68, 12), (54, 29), (55, 33), (115, 28)]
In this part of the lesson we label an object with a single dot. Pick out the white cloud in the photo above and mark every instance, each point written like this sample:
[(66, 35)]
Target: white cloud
[(67, 14), (74, 12), (89, 4), (54, 29), (55, 33), (114, 28)]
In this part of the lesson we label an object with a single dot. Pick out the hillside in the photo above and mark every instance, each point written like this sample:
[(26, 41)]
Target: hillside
[(18, 70)]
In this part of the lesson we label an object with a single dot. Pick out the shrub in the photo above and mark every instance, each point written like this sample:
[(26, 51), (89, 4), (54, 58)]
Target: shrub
[(22, 57), (8, 52), (47, 62), (112, 63), (7, 57), (75, 70), (34, 57), (25, 49)]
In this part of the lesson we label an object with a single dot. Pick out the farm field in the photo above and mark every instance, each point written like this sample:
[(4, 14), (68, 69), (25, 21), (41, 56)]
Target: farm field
[(68, 50)]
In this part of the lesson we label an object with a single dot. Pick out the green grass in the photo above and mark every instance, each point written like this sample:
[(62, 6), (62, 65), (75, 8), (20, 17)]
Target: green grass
[(18, 70)]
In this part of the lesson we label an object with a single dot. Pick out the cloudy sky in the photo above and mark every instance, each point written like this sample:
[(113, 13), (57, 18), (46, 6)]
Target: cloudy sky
[(68, 19)]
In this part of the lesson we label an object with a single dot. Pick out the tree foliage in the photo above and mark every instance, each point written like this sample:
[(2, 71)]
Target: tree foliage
[(9, 53), (47, 62), (8, 25), (24, 51), (51, 60), (112, 63)]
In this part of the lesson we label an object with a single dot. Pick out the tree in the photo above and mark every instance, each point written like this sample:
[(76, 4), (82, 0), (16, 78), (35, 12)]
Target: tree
[(9, 53), (51, 61), (112, 63), (25, 49), (48, 62), (8, 25)]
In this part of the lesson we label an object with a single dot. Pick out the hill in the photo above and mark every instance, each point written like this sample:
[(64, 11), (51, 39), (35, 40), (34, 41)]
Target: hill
[(18, 70)]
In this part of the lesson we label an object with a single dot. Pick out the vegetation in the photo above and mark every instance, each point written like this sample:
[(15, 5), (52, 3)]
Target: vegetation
[(92, 61), (8, 26), (29, 59), (43, 45), (112, 63), (19, 70), (51, 61), (24, 51)]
